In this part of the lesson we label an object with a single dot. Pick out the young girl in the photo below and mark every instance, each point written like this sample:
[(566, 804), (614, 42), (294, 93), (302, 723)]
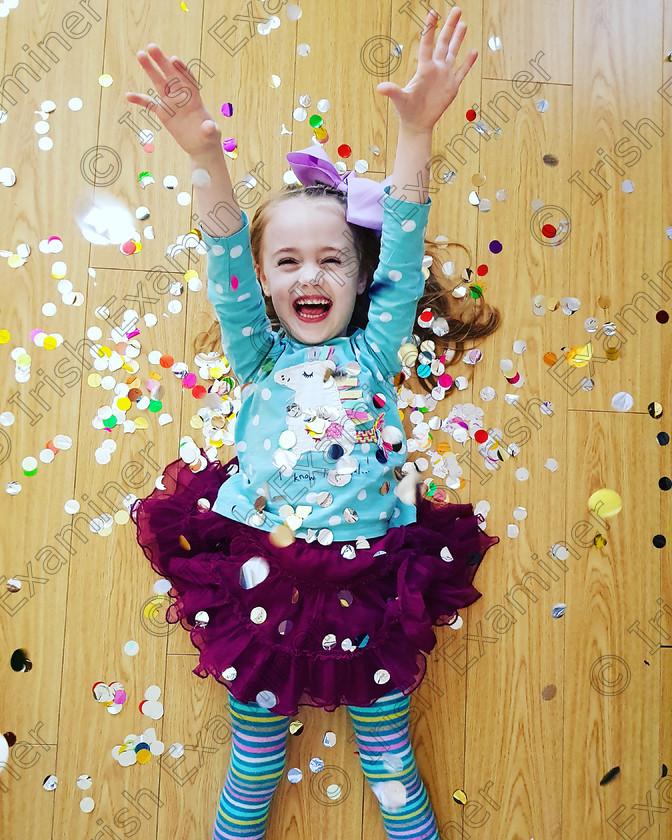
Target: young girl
[(307, 570)]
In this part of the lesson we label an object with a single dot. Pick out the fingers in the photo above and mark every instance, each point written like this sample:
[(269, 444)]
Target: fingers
[(427, 37), (143, 100), (443, 43), (185, 71), (158, 80), (455, 42), (466, 66), (155, 51)]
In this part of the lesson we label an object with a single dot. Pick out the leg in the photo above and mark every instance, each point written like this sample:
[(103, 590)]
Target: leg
[(258, 751), (389, 765)]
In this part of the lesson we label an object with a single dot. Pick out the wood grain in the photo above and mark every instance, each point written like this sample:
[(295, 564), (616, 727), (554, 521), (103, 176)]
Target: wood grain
[(522, 711)]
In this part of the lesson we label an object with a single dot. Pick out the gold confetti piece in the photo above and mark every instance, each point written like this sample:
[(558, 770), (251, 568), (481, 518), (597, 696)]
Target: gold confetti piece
[(580, 356), (655, 409), (184, 542), (460, 796), (599, 541), (605, 502), (281, 536), (296, 727)]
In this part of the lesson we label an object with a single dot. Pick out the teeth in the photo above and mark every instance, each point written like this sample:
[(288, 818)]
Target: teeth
[(301, 307)]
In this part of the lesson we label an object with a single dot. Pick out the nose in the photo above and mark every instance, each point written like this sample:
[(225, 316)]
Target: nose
[(311, 283)]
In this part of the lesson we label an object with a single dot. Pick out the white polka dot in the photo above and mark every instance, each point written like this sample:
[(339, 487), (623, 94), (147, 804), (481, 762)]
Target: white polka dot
[(375, 347), (408, 225), (385, 316), (255, 420), (237, 250), (379, 376), (243, 297), (334, 520), (382, 515), (365, 448), (394, 275), (219, 288), (267, 444), (361, 495), (247, 331), (241, 446), (217, 250), (265, 394), (396, 513)]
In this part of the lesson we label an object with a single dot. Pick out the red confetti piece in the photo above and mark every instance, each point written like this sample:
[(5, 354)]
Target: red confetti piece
[(344, 151), (471, 115), (482, 270), (549, 231), (481, 436)]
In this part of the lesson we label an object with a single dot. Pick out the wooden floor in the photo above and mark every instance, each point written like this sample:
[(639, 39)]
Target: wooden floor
[(522, 711)]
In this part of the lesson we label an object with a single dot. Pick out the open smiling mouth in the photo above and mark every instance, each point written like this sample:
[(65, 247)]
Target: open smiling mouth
[(310, 309)]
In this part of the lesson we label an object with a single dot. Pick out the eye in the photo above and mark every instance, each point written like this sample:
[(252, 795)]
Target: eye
[(308, 375), (290, 259)]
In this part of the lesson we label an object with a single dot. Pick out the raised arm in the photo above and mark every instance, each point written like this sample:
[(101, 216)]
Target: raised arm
[(398, 282), (233, 288), (423, 101), (179, 106)]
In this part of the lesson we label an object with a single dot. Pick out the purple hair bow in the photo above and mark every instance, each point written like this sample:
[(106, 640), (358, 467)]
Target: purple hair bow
[(364, 195)]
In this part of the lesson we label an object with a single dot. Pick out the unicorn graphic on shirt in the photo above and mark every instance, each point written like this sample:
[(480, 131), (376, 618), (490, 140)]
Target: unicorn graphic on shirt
[(317, 416)]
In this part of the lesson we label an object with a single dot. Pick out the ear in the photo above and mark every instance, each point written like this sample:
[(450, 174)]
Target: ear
[(361, 282), (262, 279)]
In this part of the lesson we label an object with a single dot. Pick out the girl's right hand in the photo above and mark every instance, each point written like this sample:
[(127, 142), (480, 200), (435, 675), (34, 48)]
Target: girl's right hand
[(191, 125)]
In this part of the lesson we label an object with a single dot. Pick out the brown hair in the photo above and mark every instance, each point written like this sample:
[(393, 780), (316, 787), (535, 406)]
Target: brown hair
[(482, 321)]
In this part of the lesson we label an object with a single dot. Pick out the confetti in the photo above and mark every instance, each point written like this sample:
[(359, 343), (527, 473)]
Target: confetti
[(610, 775)]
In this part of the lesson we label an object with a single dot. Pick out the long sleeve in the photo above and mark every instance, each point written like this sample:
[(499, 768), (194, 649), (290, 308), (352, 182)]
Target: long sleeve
[(235, 293), (398, 283)]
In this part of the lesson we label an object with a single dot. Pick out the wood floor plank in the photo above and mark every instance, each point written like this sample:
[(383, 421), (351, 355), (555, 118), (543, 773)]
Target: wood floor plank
[(523, 711)]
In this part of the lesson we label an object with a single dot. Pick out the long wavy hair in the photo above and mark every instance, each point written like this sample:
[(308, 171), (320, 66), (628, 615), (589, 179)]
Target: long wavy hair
[(469, 319)]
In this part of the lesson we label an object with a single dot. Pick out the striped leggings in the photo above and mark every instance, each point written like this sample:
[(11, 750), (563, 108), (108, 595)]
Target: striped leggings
[(258, 751)]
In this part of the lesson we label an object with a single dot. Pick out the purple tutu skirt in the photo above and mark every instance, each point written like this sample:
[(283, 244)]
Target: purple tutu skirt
[(333, 629)]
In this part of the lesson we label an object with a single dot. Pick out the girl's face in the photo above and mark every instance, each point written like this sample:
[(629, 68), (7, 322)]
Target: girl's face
[(310, 269)]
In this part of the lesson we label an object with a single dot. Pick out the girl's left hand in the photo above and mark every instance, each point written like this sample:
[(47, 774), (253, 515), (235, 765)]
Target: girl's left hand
[(436, 82)]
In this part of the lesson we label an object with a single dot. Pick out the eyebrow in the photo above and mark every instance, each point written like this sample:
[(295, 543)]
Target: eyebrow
[(324, 248)]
